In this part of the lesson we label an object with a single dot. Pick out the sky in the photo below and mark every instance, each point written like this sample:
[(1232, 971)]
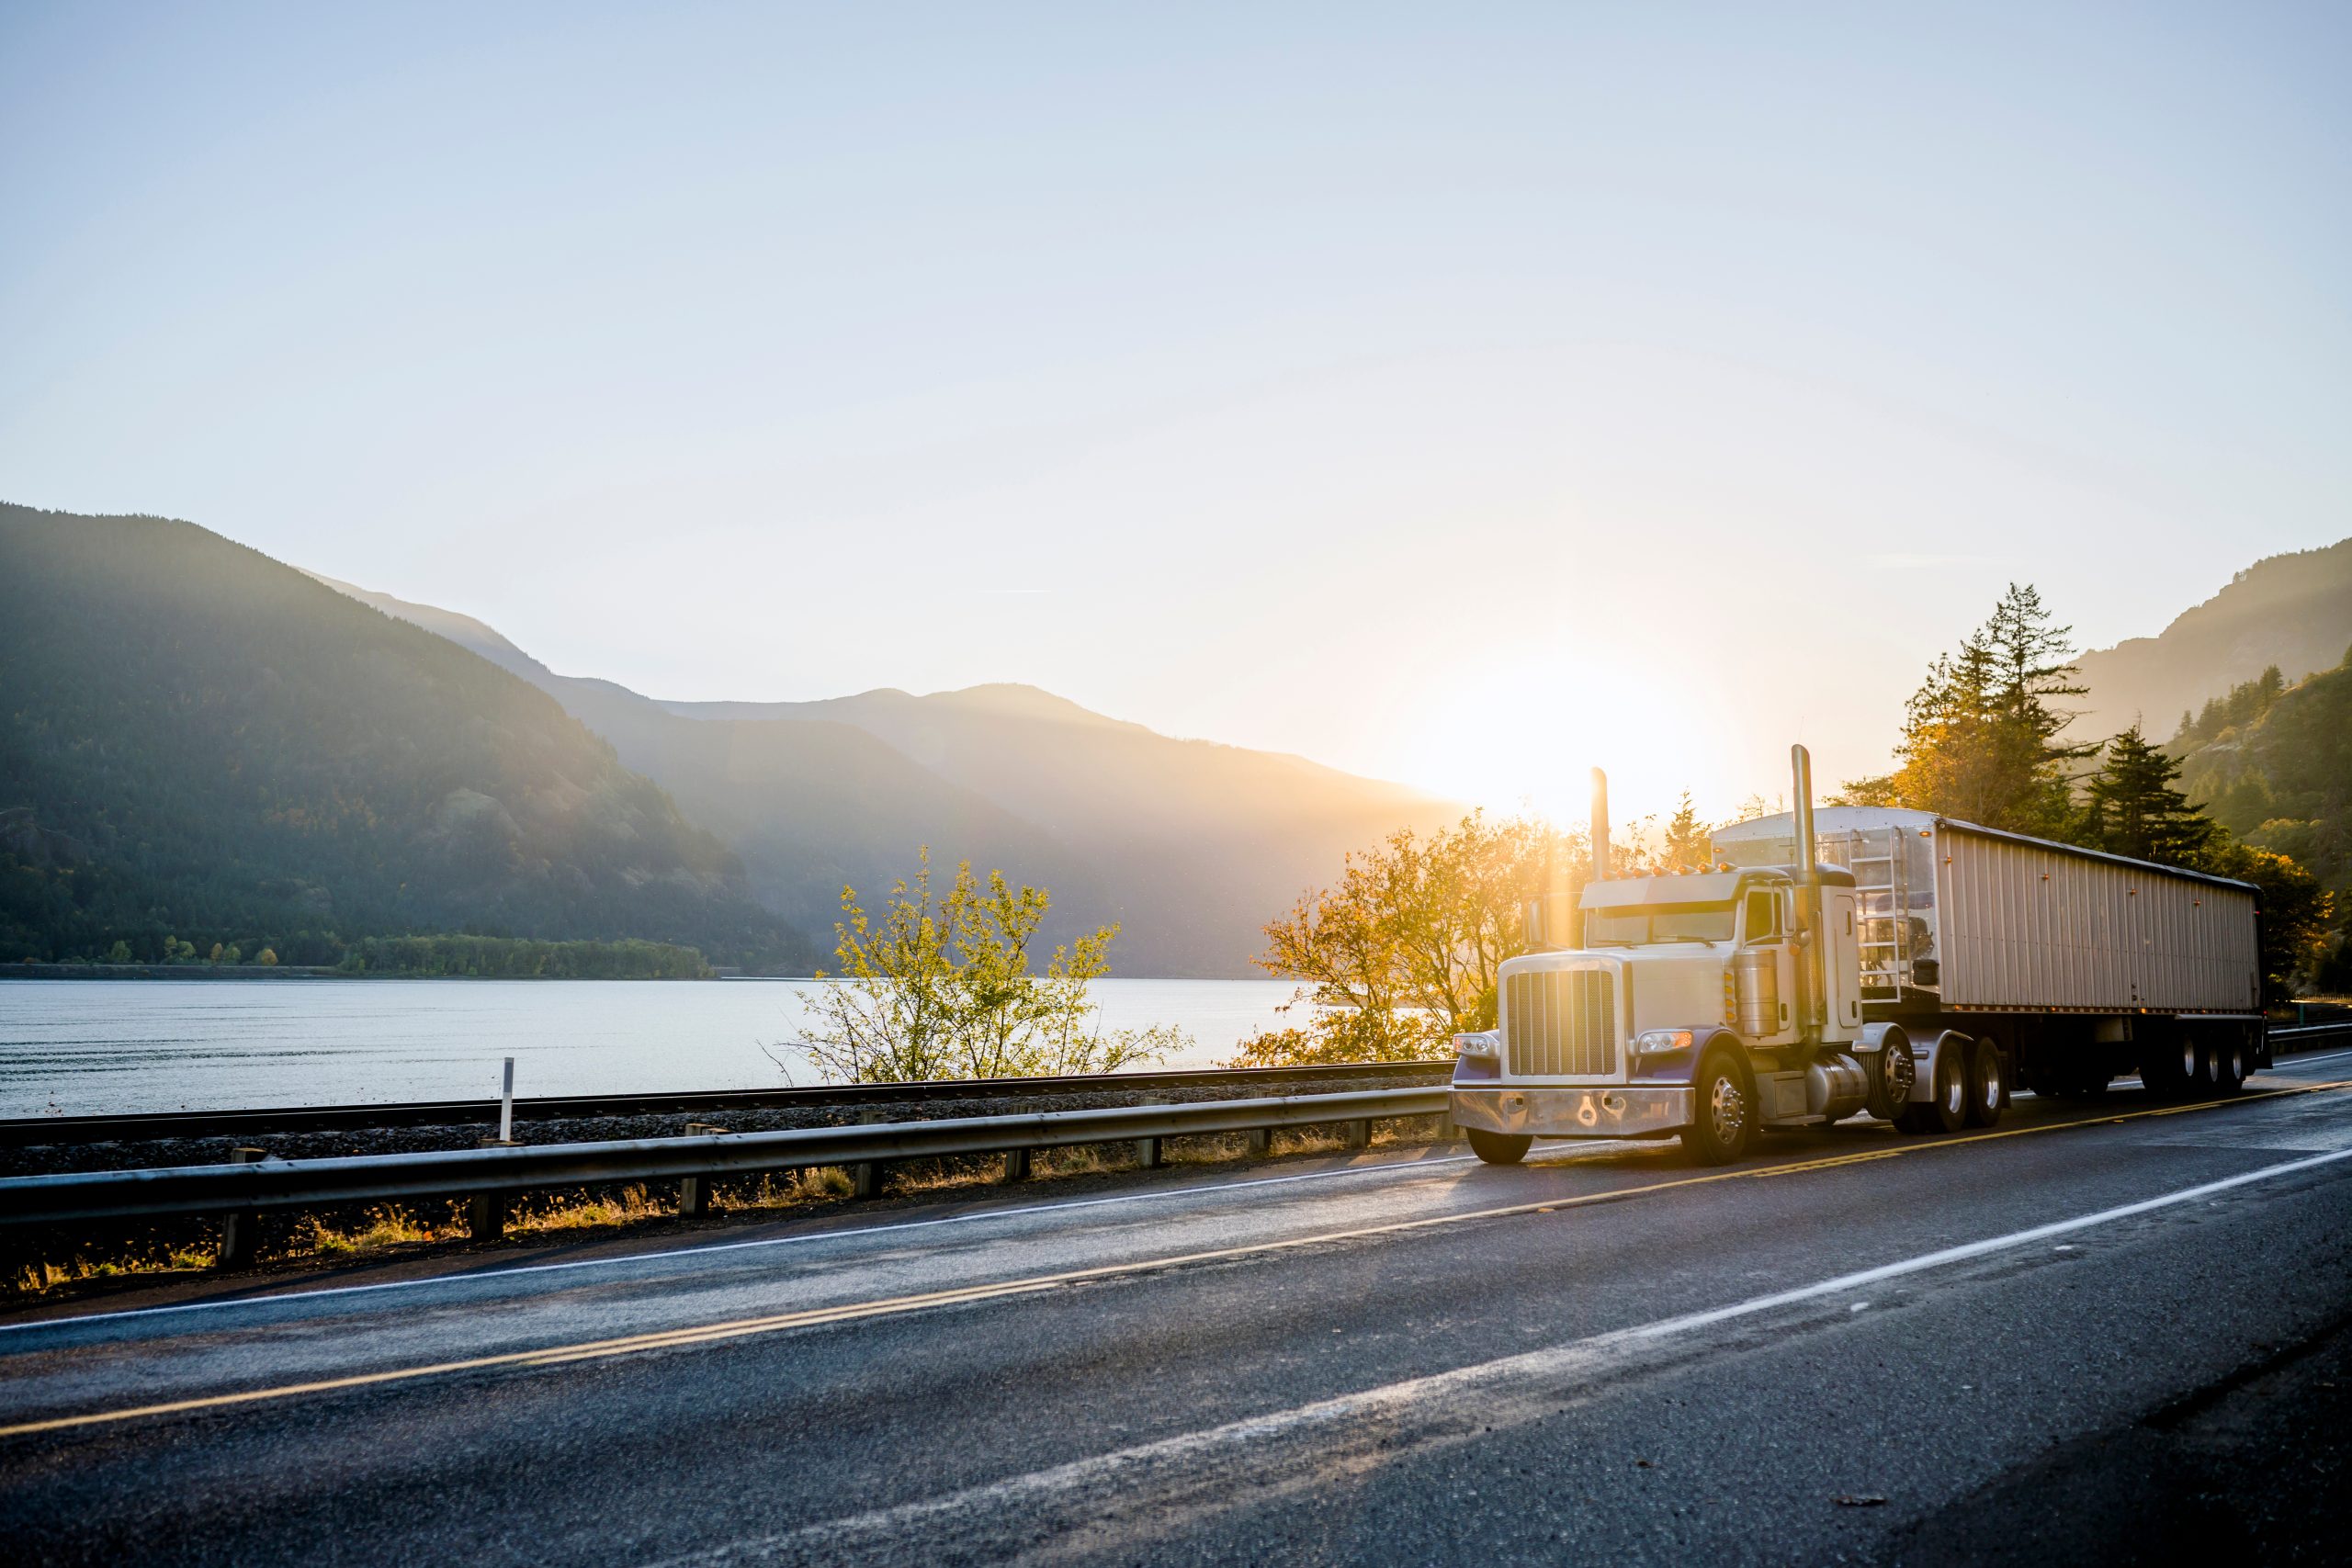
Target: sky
[(1459, 394)]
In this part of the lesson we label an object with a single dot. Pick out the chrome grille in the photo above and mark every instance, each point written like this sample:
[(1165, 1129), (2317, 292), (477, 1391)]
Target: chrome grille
[(1561, 1024)]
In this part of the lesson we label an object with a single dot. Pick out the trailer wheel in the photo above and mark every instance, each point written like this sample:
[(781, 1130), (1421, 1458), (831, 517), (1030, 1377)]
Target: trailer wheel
[(1986, 1078), (1499, 1149), (2168, 1067), (2233, 1064), (1723, 1126)]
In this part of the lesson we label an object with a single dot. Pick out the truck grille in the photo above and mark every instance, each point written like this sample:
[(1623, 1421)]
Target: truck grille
[(1561, 1023)]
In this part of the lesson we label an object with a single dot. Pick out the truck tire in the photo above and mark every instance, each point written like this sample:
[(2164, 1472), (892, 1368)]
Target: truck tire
[(1499, 1149), (1948, 1110), (1988, 1076), (2237, 1062), (1725, 1120), (2168, 1065)]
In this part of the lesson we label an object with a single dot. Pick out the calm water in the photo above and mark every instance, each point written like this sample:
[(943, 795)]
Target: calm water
[(84, 1047)]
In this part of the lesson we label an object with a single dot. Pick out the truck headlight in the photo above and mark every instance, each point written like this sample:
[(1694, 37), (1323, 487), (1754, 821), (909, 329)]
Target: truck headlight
[(1651, 1041), (1486, 1044)]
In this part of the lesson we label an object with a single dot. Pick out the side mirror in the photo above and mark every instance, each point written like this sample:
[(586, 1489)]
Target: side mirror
[(1535, 914)]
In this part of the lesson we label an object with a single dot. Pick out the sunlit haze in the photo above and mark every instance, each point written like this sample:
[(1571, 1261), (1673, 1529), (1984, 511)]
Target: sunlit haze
[(1463, 399)]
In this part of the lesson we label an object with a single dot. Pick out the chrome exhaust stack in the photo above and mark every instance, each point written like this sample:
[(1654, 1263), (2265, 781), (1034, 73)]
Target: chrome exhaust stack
[(1812, 953)]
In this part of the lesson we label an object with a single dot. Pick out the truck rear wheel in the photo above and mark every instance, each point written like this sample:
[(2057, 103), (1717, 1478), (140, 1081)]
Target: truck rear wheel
[(1723, 1123), (1946, 1109), (1499, 1149), (1986, 1077)]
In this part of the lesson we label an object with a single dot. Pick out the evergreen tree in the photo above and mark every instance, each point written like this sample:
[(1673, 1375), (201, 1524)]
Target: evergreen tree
[(2133, 808), (1980, 737), (1687, 844)]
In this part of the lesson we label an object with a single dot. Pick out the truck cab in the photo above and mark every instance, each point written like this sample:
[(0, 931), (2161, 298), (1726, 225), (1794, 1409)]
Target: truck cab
[(1704, 1005)]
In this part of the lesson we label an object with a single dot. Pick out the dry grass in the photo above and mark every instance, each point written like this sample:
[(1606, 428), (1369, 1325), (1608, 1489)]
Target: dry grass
[(385, 1227), (40, 1278), (632, 1205)]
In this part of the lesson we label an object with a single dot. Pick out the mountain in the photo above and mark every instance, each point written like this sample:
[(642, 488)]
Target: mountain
[(1190, 846), (196, 740), (2294, 611)]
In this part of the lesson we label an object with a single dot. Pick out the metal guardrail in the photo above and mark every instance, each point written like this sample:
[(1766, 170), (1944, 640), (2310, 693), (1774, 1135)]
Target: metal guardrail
[(279, 1184), (2310, 1037), (23, 1131)]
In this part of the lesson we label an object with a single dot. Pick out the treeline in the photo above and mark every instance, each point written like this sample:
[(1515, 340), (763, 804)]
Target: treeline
[(509, 958), (484, 957)]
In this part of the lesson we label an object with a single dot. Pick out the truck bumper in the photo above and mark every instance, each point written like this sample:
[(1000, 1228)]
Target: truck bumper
[(1557, 1111)]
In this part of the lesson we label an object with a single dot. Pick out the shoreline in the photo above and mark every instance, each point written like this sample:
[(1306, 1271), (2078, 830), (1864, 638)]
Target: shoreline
[(307, 972)]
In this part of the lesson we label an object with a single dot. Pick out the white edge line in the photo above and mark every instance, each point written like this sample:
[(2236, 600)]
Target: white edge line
[(848, 1232), (1387, 1399)]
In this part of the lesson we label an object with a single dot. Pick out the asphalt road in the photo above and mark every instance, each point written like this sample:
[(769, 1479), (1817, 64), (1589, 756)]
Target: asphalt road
[(2120, 1334)]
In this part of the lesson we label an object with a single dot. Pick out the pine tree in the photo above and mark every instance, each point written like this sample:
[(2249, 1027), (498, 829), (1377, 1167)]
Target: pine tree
[(1689, 846), (1980, 737), (2133, 808)]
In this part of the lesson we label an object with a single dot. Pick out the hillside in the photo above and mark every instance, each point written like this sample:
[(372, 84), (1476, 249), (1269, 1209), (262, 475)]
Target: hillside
[(2294, 611), (1190, 845), (2273, 764), (198, 741)]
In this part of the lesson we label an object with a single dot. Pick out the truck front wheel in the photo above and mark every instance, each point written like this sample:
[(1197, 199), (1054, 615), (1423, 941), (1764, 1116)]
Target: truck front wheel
[(1725, 1120), (1499, 1149)]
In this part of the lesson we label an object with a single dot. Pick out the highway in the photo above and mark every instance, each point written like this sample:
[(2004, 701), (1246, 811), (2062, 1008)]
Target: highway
[(2112, 1333)]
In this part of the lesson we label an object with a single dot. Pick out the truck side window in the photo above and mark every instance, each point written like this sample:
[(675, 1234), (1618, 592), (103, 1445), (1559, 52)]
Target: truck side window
[(1763, 917)]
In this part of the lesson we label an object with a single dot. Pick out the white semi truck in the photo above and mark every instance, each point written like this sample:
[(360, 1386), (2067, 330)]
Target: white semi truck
[(1910, 967)]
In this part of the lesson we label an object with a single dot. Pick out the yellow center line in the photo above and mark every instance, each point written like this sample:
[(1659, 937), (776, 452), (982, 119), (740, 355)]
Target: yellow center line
[(738, 1328)]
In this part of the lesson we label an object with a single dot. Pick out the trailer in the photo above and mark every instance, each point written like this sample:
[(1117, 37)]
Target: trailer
[(1911, 966)]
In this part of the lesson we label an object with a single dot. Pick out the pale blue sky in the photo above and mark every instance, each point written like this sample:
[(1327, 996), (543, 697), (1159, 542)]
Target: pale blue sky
[(1459, 394)]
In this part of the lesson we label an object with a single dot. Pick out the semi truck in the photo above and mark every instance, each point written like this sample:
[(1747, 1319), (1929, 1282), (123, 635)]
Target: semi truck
[(1852, 960)]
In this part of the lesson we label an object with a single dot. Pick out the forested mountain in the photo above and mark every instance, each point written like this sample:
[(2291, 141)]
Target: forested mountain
[(2294, 611), (2272, 763), (1193, 847), (197, 741)]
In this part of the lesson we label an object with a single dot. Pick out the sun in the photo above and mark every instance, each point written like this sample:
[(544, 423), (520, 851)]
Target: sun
[(1524, 735)]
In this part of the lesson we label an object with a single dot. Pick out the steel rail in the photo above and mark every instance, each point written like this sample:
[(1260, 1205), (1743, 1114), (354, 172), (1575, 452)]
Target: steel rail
[(366, 1179), (142, 1126)]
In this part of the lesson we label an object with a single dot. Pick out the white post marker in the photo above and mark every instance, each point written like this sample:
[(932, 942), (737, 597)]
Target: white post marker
[(506, 1105)]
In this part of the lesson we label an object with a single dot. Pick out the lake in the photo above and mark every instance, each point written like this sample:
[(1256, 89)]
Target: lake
[(88, 1047)]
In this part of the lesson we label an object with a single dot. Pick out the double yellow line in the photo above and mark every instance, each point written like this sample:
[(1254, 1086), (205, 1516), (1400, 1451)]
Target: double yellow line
[(744, 1328)]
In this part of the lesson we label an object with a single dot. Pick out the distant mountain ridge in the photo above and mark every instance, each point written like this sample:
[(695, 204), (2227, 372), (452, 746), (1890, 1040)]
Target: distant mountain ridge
[(2294, 611), (1191, 846), (196, 740)]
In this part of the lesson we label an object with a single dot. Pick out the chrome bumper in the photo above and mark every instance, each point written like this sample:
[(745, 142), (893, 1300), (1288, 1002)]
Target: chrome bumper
[(1551, 1111)]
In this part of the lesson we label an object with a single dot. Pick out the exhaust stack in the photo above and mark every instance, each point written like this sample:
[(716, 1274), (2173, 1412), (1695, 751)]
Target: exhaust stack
[(1811, 954), (1599, 826)]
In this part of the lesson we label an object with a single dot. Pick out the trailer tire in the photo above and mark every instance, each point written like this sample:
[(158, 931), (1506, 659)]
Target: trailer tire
[(1987, 1079), (2233, 1062), (1725, 1121), (2169, 1065), (1499, 1149)]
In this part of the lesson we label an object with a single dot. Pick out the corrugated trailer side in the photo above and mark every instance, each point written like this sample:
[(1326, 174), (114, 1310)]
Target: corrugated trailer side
[(2023, 925)]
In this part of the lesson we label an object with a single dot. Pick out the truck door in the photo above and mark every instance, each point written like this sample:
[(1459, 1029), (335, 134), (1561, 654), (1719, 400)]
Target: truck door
[(1842, 959)]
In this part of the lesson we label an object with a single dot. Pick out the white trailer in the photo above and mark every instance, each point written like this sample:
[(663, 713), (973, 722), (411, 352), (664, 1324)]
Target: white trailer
[(1911, 966)]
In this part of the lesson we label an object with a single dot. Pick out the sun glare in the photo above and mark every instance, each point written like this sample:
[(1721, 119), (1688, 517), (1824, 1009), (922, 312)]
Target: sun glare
[(1525, 736)]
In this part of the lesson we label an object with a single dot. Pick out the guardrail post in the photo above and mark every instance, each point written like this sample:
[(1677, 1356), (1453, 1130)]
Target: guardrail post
[(1148, 1153), (1355, 1135), (240, 1228), (1016, 1164), (865, 1177), (486, 1211), (1261, 1142), (693, 1191)]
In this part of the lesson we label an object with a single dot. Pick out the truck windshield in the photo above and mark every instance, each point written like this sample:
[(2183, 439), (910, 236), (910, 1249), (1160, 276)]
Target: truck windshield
[(1639, 924)]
